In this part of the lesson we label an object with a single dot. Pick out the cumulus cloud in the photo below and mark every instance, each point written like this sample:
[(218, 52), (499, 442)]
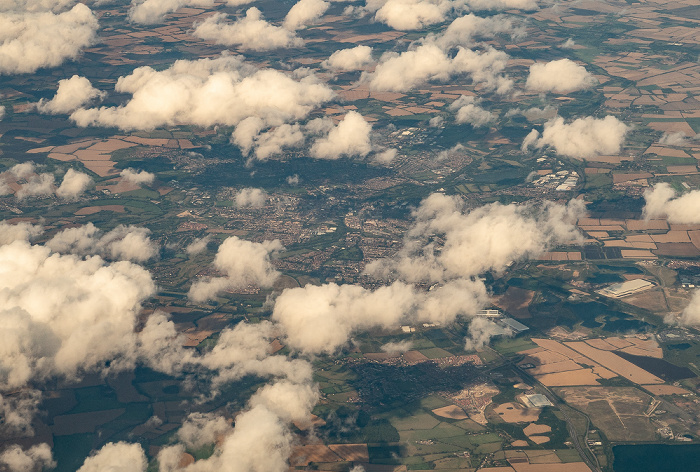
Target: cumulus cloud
[(116, 457), (351, 137), (73, 185), (198, 245), (349, 59), (486, 238), (244, 263), (33, 40), (2, 112), (534, 114), (72, 94), (250, 198), (17, 412), (412, 14), (469, 111), (561, 76), (527, 5), (663, 201), (35, 458), (305, 12), (137, 177), (200, 429), (18, 232), (65, 315), (481, 330), (568, 44), (397, 347), (386, 157), (293, 179), (249, 32), (38, 185), (674, 139), (35, 5), (122, 243), (153, 11), (582, 138), (249, 137), (321, 319), (403, 72), (462, 30), (691, 314), (206, 92)]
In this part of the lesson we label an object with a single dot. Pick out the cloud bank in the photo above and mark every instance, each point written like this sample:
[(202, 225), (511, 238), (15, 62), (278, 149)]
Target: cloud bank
[(663, 201)]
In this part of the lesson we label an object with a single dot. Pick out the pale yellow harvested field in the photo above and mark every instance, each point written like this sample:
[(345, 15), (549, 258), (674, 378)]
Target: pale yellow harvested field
[(635, 351), (534, 350), (303, 455), (40, 150), (546, 456), (91, 155), (570, 378), (555, 367), (538, 439), (534, 428), (672, 127), (602, 372), (452, 411), (62, 157), (91, 210), (643, 225), (111, 145), (547, 357), (516, 413), (497, 469), (671, 237), (554, 346), (351, 452), (518, 443), (601, 344), (615, 363), (637, 254), (666, 390), (101, 168), (665, 151), (682, 169), (564, 467), (618, 342)]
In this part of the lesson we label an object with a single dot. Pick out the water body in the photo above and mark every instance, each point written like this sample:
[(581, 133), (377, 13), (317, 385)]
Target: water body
[(657, 458)]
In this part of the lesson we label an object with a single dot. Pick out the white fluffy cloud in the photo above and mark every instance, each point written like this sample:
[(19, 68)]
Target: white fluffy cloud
[(305, 12), (64, 315), (72, 94), (122, 243), (32, 40), (413, 14), (249, 32), (116, 457), (674, 139), (469, 111), (462, 30), (73, 185), (200, 429), (527, 5), (561, 76), (691, 314), (206, 92), (321, 319), (402, 72), (582, 138), (663, 201), (154, 11), (248, 136), (198, 245), (349, 59), (138, 177), (351, 137), (244, 263), (486, 238), (35, 458), (250, 198)]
